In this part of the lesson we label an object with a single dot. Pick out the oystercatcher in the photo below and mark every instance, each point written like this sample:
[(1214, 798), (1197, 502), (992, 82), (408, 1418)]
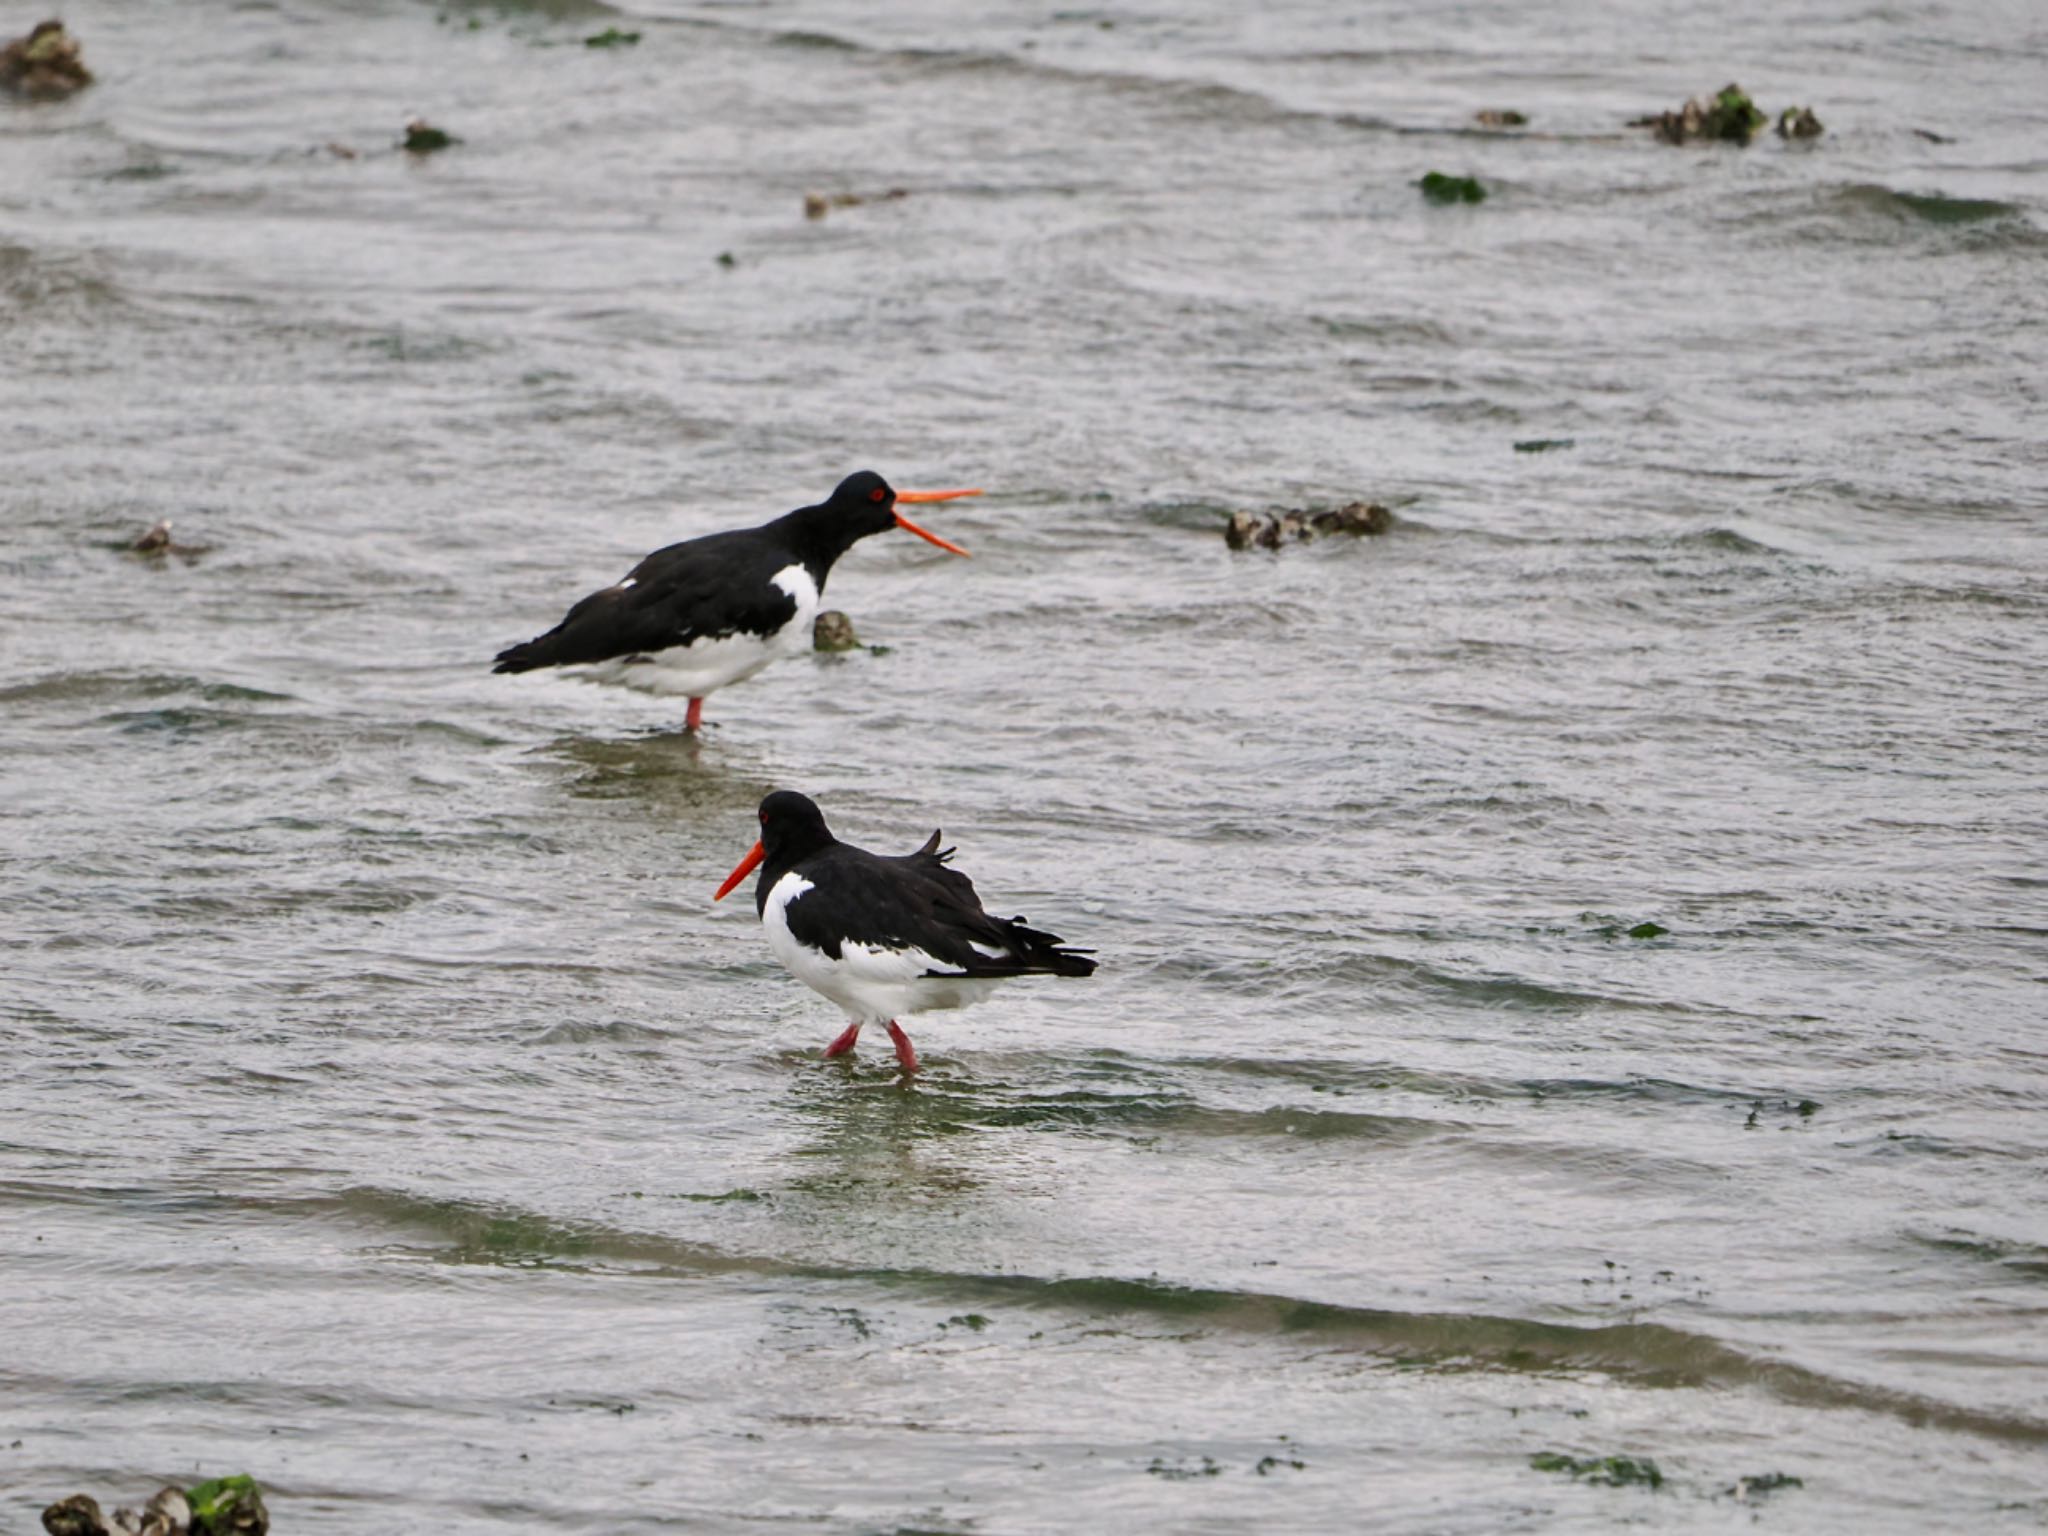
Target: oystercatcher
[(882, 935), (707, 612)]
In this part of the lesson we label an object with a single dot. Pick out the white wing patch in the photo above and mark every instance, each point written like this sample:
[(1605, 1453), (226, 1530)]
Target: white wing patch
[(796, 581), (986, 952)]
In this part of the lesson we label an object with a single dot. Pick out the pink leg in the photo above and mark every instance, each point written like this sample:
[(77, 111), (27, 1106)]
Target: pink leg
[(695, 718), (905, 1052), (845, 1041)]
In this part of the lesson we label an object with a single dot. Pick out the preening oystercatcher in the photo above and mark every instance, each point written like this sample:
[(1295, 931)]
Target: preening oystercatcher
[(707, 612), (882, 935)]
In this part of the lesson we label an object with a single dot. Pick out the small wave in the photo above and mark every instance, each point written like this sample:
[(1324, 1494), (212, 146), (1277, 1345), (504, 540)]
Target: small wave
[(1930, 207), (617, 1032), (101, 687), (1646, 1355)]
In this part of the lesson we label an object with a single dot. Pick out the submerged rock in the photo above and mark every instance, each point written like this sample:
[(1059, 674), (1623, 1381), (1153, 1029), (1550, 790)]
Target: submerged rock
[(1799, 123), (78, 1515), (1247, 530), (1498, 117), (168, 1513), (833, 631), (1730, 117), (156, 540), (45, 65), (612, 37)]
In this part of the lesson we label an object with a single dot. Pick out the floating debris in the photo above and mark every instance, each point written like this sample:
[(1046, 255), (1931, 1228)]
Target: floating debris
[(339, 150), (1497, 117), (1247, 530), (1545, 444), (423, 138), (1931, 136), (1729, 118), (1747, 1488), (1799, 123), (817, 204), (1181, 1469), (1439, 188), (727, 260), (1606, 1471), (226, 1506), (45, 65), (833, 631), (1648, 931), (612, 37)]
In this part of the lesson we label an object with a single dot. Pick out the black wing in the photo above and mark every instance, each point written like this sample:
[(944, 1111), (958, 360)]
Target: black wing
[(700, 588), (914, 900)]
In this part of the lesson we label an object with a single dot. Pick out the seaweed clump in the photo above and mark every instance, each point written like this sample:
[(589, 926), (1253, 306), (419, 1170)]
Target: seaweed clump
[(1728, 117), (224, 1506), (1247, 530), (423, 138), (45, 65)]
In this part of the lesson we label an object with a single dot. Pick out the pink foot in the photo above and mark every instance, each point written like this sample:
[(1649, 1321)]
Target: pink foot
[(844, 1043), (905, 1052), (695, 718)]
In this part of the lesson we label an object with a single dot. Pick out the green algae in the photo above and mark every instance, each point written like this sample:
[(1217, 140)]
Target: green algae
[(226, 1505), (1439, 188), (1602, 1471)]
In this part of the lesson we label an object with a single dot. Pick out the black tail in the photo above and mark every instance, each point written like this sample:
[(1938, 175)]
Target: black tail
[(1043, 952), (527, 655)]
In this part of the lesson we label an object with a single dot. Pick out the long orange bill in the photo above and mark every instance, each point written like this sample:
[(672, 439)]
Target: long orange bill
[(754, 856), (936, 495), (907, 525), (923, 533)]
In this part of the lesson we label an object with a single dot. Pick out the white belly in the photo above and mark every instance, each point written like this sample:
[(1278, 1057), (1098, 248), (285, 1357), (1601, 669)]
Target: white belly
[(870, 984), (693, 670)]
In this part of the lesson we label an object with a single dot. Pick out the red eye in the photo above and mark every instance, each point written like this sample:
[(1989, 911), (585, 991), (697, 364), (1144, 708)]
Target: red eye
[(877, 494)]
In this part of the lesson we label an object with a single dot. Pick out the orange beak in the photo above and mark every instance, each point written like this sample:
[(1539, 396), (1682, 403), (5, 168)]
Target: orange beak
[(754, 856), (909, 527)]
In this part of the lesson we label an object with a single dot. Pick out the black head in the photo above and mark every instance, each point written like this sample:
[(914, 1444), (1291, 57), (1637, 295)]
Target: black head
[(863, 501), (792, 826), (860, 505)]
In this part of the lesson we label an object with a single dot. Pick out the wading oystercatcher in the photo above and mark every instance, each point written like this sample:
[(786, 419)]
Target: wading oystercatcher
[(707, 612), (881, 935)]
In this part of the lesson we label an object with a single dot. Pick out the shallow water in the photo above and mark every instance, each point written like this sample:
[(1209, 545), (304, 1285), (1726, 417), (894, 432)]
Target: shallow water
[(392, 1116)]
